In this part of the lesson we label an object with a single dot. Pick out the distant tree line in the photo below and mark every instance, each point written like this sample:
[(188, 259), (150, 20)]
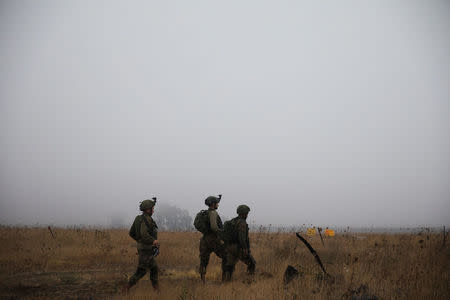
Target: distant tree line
[(167, 216), (171, 218)]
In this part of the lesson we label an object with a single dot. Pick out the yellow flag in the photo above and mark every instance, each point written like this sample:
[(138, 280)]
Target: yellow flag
[(329, 232), (311, 232)]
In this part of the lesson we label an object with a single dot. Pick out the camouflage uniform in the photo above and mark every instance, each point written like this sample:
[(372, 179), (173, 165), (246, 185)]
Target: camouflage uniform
[(145, 249), (238, 249), (211, 242)]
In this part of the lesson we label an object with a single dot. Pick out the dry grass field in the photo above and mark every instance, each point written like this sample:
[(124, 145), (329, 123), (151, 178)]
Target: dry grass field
[(85, 263)]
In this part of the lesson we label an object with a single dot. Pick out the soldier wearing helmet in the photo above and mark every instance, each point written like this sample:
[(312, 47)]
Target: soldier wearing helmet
[(210, 241), (237, 244), (145, 231)]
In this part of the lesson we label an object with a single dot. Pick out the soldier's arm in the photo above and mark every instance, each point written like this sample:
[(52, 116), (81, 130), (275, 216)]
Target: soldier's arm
[(155, 234), (242, 234), (146, 237), (213, 221), (248, 238)]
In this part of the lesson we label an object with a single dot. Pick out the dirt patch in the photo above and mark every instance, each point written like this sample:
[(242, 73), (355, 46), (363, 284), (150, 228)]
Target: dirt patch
[(83, 284), (89, 284)]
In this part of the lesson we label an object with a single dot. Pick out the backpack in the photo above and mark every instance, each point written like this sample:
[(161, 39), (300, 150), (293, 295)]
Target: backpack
[(229, 234), (133, 233), (201, 221)]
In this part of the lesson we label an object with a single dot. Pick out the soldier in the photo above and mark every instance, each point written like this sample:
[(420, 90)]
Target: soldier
[(145, 231), (237, 244), (210, 241)]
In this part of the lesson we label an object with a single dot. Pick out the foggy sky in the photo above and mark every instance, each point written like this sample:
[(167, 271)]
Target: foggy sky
[(325, 112)]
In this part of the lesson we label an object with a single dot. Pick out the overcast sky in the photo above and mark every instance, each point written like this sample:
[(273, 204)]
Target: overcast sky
[(324, 112)]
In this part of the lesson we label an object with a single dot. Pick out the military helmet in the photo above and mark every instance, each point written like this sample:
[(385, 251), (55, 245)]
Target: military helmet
[(212, 199), (243, 209), (146, 204)]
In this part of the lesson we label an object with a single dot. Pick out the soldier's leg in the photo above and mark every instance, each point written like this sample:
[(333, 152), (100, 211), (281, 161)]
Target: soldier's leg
[(141, 269), (154, 273), (250, 262), (205, 253), (140, 272), (230, 261), (224, 265), (218, 247), (251, 266)]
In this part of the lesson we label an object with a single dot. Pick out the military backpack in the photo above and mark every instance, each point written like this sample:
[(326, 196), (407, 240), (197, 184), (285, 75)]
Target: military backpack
[(230, 234), (201, 221), (135, 232)]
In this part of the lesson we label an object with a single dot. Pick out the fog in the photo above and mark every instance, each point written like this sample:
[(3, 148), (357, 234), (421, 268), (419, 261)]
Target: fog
[(309, 112)]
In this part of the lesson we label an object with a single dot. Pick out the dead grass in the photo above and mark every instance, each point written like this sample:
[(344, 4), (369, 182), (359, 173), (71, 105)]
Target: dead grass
[(84, 263)]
